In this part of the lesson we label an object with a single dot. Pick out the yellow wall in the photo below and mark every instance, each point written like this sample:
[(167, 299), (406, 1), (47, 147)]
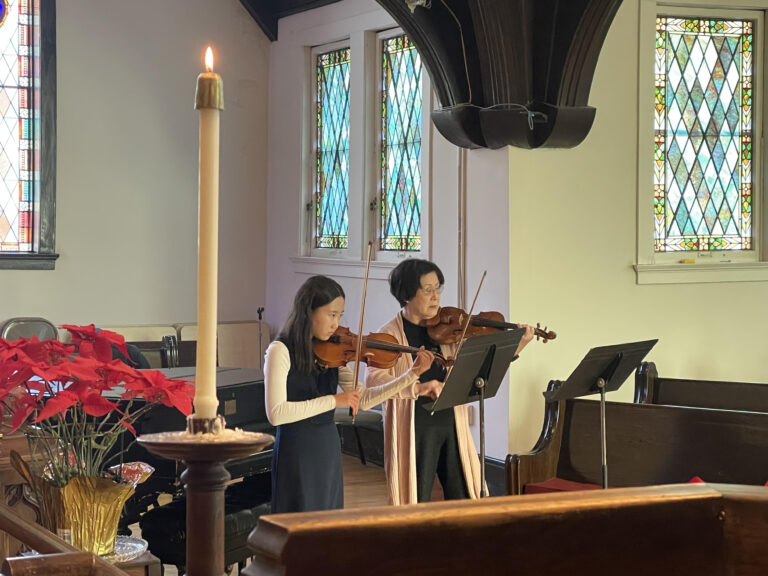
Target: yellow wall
[(573, 243)]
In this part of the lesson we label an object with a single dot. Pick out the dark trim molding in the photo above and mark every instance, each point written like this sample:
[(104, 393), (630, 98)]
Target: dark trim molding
[(266, 13), (47, 245), (28, 261)]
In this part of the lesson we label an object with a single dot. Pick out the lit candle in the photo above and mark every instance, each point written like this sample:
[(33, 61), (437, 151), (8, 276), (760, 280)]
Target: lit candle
[(209, 99)]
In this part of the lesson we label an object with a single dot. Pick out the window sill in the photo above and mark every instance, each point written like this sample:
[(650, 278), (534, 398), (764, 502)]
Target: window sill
[(701, 273), (312, 265), (28, 261)]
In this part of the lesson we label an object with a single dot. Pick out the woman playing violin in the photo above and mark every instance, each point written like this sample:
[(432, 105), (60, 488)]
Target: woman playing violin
[(301, 397), (417, 445)]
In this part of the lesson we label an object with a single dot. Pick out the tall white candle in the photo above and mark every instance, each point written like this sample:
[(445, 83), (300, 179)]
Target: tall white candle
[(209, 100)]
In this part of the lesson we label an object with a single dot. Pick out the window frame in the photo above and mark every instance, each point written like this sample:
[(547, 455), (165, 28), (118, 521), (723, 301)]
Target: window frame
[(364, 144), (45, 257), (426, 155), (309, 205), (707, 266)]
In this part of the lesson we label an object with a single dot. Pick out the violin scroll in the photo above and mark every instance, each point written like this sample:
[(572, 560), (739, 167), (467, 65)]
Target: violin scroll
[(542, 334)]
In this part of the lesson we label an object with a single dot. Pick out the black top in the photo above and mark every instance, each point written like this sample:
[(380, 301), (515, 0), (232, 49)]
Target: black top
[(417, 337)]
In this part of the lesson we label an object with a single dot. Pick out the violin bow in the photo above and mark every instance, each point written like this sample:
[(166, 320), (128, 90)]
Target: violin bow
[(467, 323), (360, 327)]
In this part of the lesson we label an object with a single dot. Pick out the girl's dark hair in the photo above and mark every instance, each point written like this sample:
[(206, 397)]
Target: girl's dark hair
[(317, 291), (405, 278)]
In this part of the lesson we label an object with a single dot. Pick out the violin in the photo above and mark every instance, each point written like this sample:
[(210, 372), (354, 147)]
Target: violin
[(379, 350), (447, 326)]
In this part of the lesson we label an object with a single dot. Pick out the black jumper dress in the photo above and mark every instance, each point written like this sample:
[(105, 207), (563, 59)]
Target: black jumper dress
[(306, 460)]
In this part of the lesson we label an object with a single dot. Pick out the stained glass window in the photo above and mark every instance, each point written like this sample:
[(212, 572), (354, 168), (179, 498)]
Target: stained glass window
[(332, 150), (20, 125), (703, 135), (400, 226)]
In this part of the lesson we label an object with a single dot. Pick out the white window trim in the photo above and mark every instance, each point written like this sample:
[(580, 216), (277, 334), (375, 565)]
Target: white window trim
[(697, 267), (364, 173)]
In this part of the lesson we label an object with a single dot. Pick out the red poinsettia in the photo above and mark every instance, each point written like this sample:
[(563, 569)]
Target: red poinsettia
[(79, 397)]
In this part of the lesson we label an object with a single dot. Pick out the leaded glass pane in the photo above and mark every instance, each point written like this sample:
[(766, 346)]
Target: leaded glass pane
[(400, 226), (703, 135), (332, 149), (20, 124)]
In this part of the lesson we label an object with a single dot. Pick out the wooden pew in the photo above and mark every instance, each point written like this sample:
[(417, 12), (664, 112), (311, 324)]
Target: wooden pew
[(646, 445), (651, 389), (706, 530)]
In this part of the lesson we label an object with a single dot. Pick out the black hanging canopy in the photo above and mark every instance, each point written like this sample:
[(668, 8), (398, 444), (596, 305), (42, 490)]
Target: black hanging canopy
[(506, 72)]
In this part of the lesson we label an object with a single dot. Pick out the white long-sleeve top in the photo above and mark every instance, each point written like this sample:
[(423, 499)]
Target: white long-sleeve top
[(280, 411)]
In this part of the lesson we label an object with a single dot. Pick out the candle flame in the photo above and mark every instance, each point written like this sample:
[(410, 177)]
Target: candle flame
[(208, 59)]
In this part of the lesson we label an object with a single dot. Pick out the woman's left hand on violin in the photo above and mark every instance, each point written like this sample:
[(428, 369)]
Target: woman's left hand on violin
[(423, 361), (530, 333)]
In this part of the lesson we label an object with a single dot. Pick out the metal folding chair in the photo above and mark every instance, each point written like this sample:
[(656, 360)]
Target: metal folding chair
[(15, 328)]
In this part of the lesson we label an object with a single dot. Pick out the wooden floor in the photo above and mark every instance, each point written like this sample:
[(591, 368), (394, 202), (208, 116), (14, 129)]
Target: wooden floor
[(363, 486)]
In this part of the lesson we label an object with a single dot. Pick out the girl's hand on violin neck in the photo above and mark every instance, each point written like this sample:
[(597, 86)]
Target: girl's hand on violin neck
[(350, 398), (431, 388), (423, 361)]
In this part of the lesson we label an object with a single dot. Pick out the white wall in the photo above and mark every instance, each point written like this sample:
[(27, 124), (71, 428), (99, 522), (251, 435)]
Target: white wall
[(574, 212), (487, 244), (126, 205)]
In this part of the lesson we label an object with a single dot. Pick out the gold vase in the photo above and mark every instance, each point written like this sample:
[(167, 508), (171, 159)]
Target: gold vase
[(93, 507)]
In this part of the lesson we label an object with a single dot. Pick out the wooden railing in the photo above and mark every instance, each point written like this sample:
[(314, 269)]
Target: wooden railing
[(56, 557)]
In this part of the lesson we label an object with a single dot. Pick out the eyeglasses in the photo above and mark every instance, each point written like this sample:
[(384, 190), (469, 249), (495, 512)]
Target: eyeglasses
[(429, 291)]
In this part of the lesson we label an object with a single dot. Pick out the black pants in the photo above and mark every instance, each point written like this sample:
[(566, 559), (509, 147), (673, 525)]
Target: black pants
[(437, 452)]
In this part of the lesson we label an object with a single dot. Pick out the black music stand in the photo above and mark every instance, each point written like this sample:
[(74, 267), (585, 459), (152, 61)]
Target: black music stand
[(602, 370), (476, 374)]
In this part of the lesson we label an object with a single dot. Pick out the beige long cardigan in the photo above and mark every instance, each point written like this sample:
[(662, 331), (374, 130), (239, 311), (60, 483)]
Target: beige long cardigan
[(399, 433)]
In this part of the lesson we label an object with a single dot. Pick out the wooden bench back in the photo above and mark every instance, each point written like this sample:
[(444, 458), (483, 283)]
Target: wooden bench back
[(651, 389), (649, 445), (689, 529), (646, 445)]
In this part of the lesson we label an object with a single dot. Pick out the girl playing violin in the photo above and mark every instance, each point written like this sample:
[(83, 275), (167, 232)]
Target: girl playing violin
[(301, 397), (417, 445)]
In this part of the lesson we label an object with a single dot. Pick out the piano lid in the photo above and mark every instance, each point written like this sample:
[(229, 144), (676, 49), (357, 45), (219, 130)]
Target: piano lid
[(225, 376)]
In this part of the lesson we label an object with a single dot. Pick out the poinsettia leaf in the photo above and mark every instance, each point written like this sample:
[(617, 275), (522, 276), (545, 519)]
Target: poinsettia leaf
[(125, 423), (85, 349), (101, 340), (79, 389), (175, 393), (96, 405), (57, 404), (102, 350), (182, 401), (20, 416)]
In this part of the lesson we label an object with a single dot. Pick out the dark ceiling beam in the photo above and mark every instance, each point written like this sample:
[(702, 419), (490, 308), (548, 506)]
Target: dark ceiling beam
[(510, 72), (268, 12)]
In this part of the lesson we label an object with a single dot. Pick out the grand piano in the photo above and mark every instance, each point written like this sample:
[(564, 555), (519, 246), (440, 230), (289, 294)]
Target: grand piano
[(241, 401)]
